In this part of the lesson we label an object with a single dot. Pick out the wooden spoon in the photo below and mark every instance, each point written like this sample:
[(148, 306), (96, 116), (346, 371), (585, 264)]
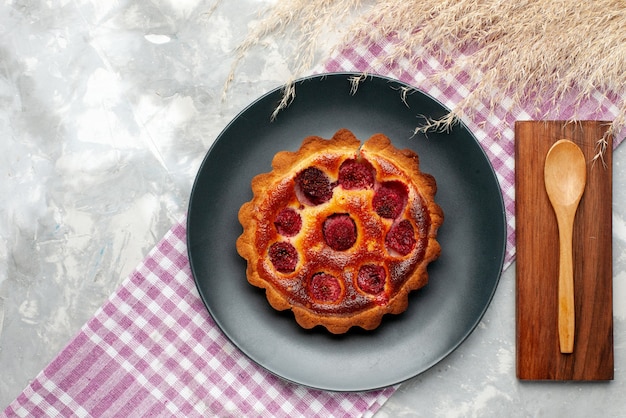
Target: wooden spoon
[(565, 175)]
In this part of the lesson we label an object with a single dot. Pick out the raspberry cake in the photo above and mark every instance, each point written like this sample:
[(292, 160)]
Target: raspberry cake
[(341, 233)]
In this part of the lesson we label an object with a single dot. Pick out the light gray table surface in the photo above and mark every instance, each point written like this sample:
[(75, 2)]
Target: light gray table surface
[(106, 111)]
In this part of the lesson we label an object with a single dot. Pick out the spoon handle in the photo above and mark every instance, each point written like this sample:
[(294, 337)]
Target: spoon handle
[(566, 318)]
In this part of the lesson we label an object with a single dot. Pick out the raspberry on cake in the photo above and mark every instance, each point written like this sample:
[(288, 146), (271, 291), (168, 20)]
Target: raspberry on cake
[(340, 232)]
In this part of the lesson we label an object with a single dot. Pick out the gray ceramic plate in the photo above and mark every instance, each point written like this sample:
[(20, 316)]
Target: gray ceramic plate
[(439, 317)]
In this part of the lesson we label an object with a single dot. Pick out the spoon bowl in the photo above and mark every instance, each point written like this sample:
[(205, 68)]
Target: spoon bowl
[(565, 176)]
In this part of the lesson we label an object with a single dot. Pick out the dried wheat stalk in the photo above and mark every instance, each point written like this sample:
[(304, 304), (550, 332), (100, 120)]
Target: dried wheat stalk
[(534, 51)]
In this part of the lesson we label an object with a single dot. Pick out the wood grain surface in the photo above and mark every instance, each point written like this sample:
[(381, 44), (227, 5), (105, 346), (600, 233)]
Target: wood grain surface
[(537, 341)]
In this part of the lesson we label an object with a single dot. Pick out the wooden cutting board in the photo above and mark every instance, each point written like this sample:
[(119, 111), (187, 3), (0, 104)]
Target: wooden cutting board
[(537, 343)]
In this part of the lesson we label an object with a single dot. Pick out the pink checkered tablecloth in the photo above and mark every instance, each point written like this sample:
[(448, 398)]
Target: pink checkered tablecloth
[(493, 127), (153, 349)]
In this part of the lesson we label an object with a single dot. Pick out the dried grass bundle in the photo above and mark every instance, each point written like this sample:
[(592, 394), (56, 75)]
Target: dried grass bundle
[(534, 51)]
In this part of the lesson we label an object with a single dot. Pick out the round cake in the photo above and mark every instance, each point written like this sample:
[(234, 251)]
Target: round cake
[(340, 232)]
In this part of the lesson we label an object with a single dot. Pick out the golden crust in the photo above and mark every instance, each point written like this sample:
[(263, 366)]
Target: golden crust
[(277, 189)]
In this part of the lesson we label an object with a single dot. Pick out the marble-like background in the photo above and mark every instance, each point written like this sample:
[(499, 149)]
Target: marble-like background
[(106, 111)]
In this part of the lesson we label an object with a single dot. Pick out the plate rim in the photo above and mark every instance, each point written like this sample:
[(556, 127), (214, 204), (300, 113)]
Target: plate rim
[(501, 256)]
